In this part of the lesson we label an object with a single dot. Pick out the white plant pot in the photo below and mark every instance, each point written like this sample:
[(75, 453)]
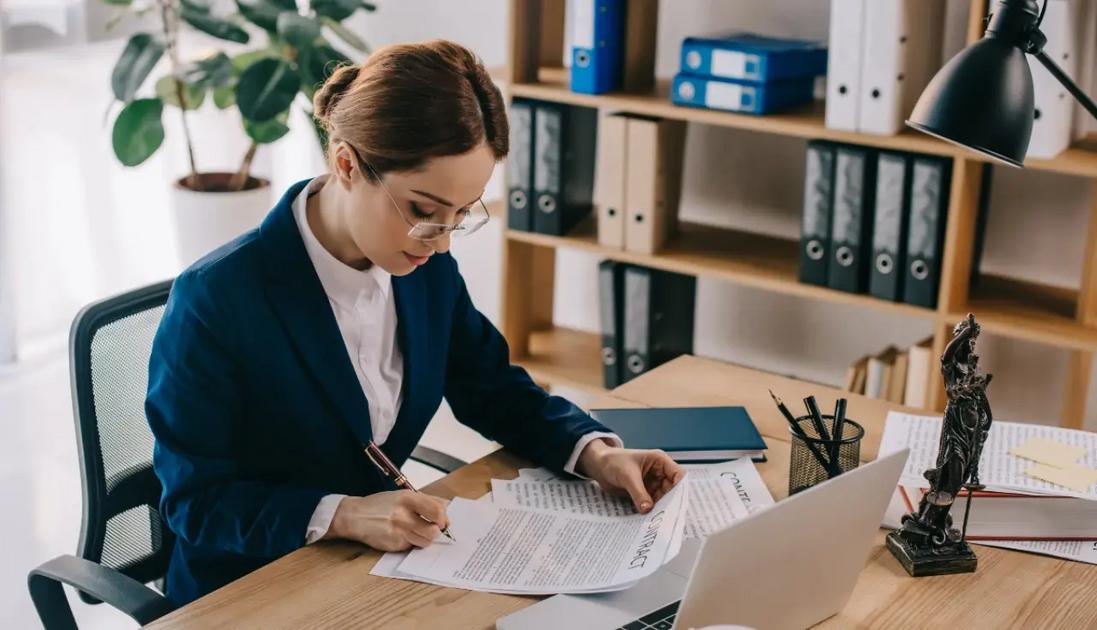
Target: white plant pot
[(206, 220)]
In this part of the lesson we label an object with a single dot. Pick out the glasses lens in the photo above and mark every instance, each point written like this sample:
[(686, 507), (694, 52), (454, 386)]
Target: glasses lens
[(428, 231)]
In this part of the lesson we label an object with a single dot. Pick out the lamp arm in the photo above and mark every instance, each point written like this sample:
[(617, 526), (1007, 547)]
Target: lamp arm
[(1071, 87)]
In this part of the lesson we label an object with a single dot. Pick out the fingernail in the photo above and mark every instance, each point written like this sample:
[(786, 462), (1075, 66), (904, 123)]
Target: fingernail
[(645, 506)]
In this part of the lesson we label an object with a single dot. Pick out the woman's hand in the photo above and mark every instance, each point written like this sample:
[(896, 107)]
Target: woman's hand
[(644, 475), (390, 521)]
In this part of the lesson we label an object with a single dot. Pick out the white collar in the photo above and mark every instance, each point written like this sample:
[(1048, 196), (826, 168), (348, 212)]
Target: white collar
[(343, 283)]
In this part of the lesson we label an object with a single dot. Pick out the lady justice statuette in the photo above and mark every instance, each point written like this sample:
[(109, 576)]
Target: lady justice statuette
[(927, 544)]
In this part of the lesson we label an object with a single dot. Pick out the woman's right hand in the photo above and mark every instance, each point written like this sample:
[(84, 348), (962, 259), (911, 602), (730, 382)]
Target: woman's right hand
[(390, 521)]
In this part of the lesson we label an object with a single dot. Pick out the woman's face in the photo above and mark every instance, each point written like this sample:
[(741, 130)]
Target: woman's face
[(442, 191)]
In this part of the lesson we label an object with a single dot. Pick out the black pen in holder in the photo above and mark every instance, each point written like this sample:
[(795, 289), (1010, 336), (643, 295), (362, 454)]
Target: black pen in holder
[(805, 467)]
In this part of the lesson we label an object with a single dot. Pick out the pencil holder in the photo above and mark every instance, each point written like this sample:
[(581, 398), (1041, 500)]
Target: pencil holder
[(805, 466)]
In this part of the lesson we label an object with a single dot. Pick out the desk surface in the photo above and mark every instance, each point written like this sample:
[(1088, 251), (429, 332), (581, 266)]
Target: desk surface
[(329, 585)]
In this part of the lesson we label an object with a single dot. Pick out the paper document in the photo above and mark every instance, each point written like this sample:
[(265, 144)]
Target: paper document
[(534, 551), (718, 495), (1000, 471), (1076, 550)]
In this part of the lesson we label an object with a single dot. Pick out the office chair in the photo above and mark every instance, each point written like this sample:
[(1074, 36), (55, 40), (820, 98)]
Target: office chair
[(124, 542)]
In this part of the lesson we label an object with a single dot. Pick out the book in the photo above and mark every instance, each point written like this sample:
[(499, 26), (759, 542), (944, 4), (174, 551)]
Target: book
[(897, 383), (879, 373), (856, 376), (687, 434), (918, 367), (1017, 516)]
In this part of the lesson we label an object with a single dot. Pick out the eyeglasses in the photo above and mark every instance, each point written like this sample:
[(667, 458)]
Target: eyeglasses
[(469, 219)]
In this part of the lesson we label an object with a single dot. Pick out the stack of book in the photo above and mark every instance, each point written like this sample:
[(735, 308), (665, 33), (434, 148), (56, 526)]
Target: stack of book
[(894, 375), (747, 73)]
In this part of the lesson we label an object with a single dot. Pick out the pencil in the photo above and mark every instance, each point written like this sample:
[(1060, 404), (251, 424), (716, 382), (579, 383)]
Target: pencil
[(385, 465), (795, 426)]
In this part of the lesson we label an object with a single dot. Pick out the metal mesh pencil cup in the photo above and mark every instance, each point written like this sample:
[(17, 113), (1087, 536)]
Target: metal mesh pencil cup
[(805, 470)]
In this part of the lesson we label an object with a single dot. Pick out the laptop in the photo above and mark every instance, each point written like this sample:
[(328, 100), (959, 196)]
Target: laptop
[(789, 566)]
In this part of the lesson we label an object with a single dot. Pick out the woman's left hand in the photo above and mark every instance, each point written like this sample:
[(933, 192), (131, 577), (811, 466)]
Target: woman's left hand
[(645, 475)]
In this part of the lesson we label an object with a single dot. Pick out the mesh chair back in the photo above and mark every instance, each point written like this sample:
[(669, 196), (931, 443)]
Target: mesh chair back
[(110, 344)]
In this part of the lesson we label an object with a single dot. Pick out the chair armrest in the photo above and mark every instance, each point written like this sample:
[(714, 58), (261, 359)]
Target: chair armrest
[(436, 459), (140, 602)]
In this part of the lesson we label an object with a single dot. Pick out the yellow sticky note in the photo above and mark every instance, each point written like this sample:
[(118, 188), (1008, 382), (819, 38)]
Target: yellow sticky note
[(1076, 477), (1049, 452)]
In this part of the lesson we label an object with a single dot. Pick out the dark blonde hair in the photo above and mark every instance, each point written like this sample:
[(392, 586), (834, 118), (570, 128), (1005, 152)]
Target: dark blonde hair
[(409, 103)]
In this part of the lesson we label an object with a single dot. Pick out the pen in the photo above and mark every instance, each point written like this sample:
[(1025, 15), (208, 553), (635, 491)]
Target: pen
[(385, 465), (795, 426), (836, 433), (816, 417)]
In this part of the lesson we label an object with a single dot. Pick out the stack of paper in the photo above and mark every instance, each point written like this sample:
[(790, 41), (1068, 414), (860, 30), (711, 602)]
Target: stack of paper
[(1005, 466), (539, 534)]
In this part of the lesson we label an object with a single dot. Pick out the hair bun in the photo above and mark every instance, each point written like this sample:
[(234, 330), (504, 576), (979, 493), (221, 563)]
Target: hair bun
[(327, 97)]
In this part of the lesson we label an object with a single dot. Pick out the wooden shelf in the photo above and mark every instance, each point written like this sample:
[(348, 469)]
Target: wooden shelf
[(1026, 310), (749, 259), (1011, 308), (563, 356), (805, 123)]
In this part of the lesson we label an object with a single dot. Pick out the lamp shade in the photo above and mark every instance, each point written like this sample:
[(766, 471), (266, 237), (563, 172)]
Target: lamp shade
[(981, 99)]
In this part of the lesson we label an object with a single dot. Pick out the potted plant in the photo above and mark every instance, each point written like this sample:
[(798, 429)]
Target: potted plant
[(211, 208)]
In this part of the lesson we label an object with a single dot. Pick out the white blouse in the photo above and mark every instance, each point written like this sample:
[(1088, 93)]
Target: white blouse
[(365, 312)]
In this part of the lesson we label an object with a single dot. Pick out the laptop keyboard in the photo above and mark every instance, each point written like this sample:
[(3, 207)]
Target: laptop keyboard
[(662, 619)]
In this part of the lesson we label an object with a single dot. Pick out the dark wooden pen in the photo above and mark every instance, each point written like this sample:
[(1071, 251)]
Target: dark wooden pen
[(385, 465)]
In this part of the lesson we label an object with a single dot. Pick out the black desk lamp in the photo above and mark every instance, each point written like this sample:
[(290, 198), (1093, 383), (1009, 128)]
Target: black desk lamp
[(982, 98)]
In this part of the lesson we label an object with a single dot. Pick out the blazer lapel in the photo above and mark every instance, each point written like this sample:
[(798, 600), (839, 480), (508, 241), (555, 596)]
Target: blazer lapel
[(299, 300)]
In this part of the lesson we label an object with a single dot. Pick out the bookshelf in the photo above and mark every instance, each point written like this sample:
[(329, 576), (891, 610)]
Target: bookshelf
[(1046, 315)]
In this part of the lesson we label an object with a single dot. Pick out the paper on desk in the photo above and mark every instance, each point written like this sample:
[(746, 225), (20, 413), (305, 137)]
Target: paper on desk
[(718, 495), (1075, 477), (1076, 550), (526, 550), (999, 470), (1048, 452)]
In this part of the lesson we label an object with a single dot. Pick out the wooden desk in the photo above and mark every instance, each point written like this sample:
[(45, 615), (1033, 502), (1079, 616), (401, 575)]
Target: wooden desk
[(329, 586)]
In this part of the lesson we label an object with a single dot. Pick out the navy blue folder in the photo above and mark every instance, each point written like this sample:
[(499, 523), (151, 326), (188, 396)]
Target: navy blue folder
[(688, 434)]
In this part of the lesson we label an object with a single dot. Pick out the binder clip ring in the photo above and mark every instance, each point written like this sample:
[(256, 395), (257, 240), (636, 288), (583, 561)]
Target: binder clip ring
[(815, 249), (635, 364), (919, 269), (884, 263), (693, 59), (547, 204), (518, 199), (609, 357), (582, 59), (844, 256), (686, 90)]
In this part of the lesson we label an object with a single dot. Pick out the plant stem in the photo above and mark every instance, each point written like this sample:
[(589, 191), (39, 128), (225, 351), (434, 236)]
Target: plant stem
[(240, 179), (169, 21)]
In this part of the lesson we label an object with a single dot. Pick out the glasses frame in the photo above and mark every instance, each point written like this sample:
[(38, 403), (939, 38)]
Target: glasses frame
[(461, 229)]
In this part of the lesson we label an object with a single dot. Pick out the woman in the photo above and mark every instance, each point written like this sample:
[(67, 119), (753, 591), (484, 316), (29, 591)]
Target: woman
[(343, 319)]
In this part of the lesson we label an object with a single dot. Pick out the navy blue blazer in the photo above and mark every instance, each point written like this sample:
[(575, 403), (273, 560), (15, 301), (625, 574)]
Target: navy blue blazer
[(257, 412)]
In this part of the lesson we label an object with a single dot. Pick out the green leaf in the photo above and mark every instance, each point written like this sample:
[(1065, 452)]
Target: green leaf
[(299, 31), (345, 34), (201, 6), (262, 13), (193, 94), (336, 9), (224, 97), (369, 6), (118, 3), (242, 61), (285, 5), (316, 64), (266, 87), (138, 132), (268, 131), (138, 58), (211, 25), (214, 71)]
